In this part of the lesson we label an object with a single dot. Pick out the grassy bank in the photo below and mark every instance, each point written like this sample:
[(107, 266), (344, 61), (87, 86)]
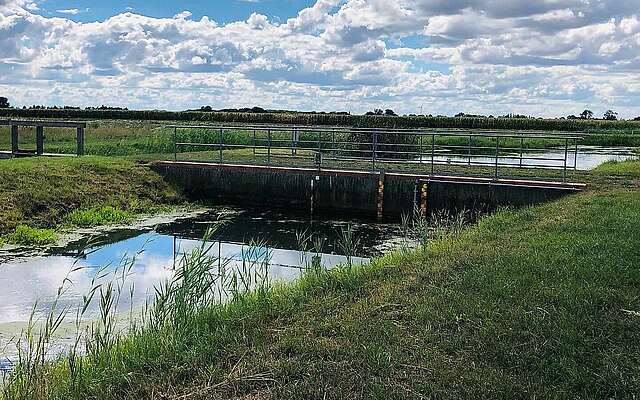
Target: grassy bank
[(533, 303), (45, 193)]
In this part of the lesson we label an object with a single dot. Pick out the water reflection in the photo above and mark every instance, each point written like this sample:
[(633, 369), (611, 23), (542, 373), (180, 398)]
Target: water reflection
[(153, 253), (588, 158)]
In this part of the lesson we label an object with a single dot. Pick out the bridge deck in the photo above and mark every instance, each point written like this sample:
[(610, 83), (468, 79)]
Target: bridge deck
[(399, 175)]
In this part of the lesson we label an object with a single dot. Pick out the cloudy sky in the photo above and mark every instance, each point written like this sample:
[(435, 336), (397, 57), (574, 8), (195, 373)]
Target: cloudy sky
[(542, 57)]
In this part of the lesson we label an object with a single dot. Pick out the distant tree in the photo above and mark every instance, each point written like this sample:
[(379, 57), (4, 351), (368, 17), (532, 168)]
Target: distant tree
[(390, 113), (460, 115), (4, 102), (572, 117), (586, 114), (206, 108), (611, 115), (377, 111), (636, 119)]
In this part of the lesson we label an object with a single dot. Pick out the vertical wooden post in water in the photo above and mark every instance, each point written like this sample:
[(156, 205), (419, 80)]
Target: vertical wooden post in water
[(313, 192), (39, 140), (380, 199), (80, 141), (424, 200), (14, 139)]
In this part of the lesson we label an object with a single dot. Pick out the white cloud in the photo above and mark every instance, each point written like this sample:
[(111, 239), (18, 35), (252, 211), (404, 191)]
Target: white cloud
[(547, 56), (70, 11)]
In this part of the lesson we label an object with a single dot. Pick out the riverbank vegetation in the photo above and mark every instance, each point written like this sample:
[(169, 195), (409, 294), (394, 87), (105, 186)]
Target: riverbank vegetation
[(45, 193), (539, 303)]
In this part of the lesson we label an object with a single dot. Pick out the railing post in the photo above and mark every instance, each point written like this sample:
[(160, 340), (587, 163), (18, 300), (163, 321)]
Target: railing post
[(420, 150), (80, 140), (566, 155), (294, 142), (39, 140), (433, 153), (497, 155), (521, 150), (221, 145), (175, 143), (269, 147), (320, 150), (575, 155), (469, 150), (333, 144), (254, 142), (14, 139), (374, 148)]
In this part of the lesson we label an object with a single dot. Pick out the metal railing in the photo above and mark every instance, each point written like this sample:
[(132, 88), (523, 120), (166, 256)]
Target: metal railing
[(497, 154)]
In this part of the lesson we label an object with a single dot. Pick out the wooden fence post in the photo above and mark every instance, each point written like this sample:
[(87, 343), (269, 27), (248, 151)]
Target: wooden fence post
[(80, 141), (39, 140), (14, 139)]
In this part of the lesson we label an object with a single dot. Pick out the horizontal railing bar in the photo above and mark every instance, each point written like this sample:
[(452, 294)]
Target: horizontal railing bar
[(315, 128), (46, 124), (367, 151), (314, 146), (441, 133)]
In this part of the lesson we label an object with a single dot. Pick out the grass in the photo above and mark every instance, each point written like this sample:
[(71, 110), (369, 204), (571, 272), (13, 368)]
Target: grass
[(540, 302), (27, 236), (106, 215), (46, 193), (631, 168)]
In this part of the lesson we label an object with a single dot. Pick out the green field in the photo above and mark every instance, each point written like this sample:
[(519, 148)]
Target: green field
[(540, 302)]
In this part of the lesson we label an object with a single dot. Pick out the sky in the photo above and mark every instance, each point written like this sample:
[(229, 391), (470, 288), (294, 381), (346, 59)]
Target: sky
[(534, 57)]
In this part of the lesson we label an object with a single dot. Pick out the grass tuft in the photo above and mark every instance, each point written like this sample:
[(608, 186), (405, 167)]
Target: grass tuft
[(97, 216), (28, 236)]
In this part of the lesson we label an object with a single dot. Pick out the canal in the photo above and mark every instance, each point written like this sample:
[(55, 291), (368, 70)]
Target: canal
[(284, 242)]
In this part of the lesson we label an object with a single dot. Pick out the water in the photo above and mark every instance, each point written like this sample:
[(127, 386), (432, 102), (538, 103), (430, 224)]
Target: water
[(25, 282), (589, 157)]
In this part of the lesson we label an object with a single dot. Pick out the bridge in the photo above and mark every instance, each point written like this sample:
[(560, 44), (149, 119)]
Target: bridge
[(14, 126), (381, 172)]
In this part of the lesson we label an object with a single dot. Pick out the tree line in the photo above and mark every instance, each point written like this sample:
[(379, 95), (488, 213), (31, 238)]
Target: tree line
[(609, 115)]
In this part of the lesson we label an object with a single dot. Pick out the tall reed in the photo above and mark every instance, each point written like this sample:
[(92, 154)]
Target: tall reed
[(199, 281)]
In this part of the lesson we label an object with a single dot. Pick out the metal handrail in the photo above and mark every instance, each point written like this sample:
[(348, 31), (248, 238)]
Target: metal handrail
[(532, 134), (418, 148)]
